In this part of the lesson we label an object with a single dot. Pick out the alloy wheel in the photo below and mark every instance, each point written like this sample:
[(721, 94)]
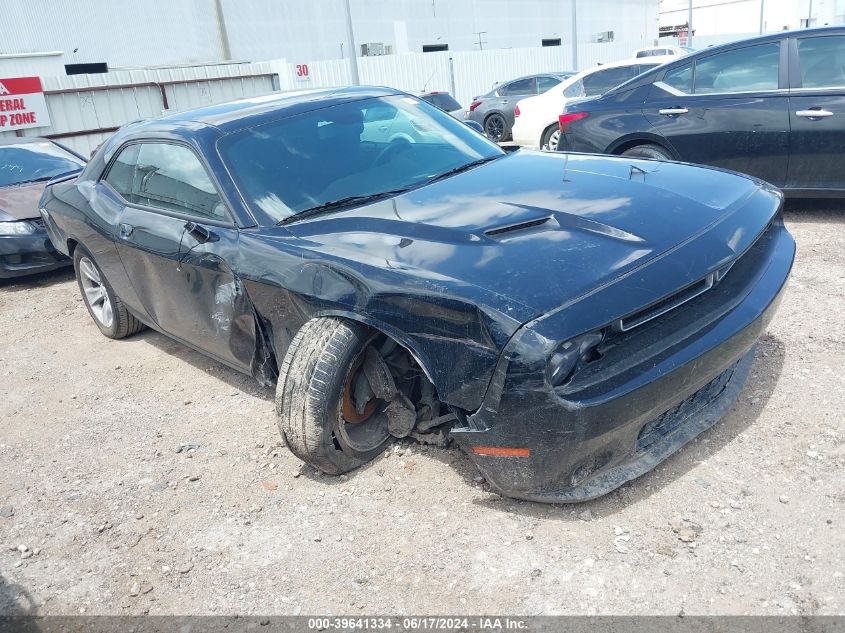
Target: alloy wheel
[(495, 127), (95, 292)]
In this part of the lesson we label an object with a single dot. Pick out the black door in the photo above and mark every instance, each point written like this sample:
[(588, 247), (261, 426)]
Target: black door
[(729, 109), (176, 241), (817, 112)]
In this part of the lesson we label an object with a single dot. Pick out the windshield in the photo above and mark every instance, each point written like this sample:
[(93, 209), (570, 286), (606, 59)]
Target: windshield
[(35, 161), (351, 150)]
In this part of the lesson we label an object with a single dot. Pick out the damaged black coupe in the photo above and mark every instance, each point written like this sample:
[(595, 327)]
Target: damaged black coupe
[(568, 320)]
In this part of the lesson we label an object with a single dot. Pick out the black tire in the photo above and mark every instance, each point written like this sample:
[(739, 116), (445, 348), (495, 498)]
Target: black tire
[(122, 322), (309, 395), (548, 141), (496, 128), (648, 150)]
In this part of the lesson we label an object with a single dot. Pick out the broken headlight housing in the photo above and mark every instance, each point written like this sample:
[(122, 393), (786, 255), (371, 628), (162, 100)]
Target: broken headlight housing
[(565, 358)]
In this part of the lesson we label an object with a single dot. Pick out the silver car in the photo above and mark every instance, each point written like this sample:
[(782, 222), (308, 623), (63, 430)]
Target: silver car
[(494, 110)]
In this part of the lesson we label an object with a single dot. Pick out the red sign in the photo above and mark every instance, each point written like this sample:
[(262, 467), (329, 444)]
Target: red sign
[(22, 104)]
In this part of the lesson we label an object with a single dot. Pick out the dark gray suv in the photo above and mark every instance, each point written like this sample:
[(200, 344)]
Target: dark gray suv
[(494, 110)]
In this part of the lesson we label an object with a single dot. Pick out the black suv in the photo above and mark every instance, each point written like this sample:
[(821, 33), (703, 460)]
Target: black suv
[(770, 106)]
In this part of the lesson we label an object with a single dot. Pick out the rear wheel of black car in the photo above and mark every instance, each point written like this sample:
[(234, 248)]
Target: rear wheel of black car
[(496, 127), (320, 410), (648, 150), (104, 306)]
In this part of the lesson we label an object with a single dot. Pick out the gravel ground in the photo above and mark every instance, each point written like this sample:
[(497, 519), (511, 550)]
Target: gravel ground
[(101, 513)]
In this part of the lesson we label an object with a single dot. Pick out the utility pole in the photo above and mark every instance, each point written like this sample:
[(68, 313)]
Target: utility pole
[(689, 25), (480, 43), (574, 35), (221, 30), (350, 35), (810, 15), (762, 13)]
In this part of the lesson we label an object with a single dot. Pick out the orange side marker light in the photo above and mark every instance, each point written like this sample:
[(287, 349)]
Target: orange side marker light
[(501, 451)]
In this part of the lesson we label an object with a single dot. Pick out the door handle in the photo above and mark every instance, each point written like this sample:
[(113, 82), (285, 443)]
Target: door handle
[(814, 113), (126, 230), (673, 111)]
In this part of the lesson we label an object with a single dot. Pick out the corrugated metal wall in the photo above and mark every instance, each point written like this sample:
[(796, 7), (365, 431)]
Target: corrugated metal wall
[(80, 103)]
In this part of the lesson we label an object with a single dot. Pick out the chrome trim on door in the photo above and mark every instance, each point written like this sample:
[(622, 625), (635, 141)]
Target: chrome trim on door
[(673, 111)]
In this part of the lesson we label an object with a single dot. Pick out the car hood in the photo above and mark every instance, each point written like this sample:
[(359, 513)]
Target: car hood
[(537, 228), (20, 202)]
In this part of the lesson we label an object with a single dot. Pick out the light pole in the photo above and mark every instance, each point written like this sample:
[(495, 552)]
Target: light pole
[(762, 13), (689, 25), (350, 34), (574, 35)]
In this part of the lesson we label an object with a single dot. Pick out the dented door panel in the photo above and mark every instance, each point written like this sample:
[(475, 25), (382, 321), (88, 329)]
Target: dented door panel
[(189, 289)]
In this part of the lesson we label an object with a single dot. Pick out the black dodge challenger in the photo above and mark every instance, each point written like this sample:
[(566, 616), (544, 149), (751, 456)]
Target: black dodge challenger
[(568, 320)]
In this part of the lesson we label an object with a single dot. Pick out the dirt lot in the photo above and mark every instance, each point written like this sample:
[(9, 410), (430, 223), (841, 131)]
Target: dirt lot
[(101, 513)]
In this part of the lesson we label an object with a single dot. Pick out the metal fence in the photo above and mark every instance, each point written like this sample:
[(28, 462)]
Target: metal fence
[(86, 109), (465, 74)]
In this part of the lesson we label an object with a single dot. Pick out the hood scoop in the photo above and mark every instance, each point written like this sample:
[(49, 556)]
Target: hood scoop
[(519, 226)]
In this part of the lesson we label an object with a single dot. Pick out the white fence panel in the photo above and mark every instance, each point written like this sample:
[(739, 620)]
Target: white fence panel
[(465, 74), (476, 73), (412, 72), (322, 74), (592, 53)]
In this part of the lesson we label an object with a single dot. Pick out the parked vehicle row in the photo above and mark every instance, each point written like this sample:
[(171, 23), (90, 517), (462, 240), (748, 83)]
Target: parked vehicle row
[(771, 107), (536, 118), (495, 109)]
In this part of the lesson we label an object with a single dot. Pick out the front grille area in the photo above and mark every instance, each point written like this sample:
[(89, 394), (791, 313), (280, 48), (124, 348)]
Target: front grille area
[(675, 300), (623, 353), (661, 426)]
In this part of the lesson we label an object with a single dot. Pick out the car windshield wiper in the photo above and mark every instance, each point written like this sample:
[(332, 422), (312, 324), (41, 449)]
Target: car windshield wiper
[(457, 170), (341, 203)]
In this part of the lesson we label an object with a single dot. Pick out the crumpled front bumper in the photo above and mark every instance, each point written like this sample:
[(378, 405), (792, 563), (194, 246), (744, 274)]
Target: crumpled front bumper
[(662, 386)]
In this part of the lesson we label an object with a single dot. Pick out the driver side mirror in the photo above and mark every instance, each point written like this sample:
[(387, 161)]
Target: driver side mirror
[(475, 125)]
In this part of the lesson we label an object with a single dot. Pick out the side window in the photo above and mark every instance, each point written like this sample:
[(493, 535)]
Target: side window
[(680, 78), (122, 171), (822, 61), (520, 87), (603, 80), (744, 70), (546, 83), (575, 89), (171, 177)]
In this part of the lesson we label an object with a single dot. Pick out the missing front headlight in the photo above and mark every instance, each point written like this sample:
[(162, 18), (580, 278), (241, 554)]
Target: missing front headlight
[(564, 360)]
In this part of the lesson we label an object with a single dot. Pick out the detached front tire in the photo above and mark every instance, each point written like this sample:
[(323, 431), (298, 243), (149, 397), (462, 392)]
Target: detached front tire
[(317, 413), (104, 306)]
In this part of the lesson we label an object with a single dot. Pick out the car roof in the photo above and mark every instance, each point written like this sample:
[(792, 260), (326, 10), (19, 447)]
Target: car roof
[(690, 58), (22, 140), (236, 114), (631, 61)]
